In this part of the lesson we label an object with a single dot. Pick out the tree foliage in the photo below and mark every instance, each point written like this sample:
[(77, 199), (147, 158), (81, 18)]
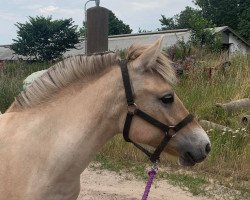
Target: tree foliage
[(168, 23), (186, 19), (244, 24), (45, 39), (202, 33), (82, 29), (116, 26), (232, 13)]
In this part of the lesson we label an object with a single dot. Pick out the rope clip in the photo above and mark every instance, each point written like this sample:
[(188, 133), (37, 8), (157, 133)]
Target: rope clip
[(155, 166)]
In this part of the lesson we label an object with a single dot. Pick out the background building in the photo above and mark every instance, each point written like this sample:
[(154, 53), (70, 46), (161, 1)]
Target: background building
[(231, 41)]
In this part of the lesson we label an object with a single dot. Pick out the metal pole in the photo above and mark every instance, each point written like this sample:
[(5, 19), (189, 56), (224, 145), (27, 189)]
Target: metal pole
[(97, 2)]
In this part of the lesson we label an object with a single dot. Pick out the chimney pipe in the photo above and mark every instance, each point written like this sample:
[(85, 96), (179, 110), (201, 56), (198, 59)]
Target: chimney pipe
[(97, 2)]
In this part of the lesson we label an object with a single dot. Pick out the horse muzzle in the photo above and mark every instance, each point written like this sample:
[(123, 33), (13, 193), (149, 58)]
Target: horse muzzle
[(194, 150)]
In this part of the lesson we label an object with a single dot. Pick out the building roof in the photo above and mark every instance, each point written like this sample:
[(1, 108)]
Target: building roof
[(150, 33), (227, 29)]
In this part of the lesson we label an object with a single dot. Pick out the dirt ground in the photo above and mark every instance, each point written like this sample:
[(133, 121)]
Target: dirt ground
[(106, 185)]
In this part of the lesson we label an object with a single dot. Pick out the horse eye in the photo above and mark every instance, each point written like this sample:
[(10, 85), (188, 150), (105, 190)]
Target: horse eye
[(168, 98)]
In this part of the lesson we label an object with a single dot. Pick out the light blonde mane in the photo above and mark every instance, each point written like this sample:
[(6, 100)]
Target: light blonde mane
[(77, 68)]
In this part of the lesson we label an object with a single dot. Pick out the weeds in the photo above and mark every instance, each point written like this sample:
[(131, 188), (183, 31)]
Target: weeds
[(11, 80)]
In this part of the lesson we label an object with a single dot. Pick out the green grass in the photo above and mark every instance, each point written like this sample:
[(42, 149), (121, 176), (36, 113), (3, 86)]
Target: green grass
[(196, 185), (11, 80), (229, 159), (111, 164), (108, 163)]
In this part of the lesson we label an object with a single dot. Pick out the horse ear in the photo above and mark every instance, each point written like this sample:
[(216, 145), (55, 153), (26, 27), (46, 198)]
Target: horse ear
[(149, 56)]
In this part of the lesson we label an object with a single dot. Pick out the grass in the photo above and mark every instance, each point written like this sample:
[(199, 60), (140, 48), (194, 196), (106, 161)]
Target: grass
[(199, 93), (196, 185), (111, 164), (11, 80), (229, 160)]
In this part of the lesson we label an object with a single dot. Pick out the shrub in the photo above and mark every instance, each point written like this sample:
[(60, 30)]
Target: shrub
[(45, 39)]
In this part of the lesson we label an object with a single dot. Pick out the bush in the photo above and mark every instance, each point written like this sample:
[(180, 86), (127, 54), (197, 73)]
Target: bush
[(45, 39)]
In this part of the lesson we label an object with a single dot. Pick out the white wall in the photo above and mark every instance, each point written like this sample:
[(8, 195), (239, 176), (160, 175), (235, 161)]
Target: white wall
[(237, 46), (120, 43), (169, 40)]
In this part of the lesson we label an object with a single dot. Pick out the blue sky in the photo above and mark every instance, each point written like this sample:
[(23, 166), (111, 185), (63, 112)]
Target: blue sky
[(137, 13)]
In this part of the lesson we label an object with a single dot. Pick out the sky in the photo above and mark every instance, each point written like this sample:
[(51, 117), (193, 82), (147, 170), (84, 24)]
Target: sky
[(144, 14)]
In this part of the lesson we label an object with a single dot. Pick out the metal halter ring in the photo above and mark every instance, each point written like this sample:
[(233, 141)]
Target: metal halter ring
[(171, 130), (132, 108)]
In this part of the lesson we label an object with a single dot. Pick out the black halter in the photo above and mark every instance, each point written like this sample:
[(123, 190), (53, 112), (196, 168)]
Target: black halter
[(134, 110)]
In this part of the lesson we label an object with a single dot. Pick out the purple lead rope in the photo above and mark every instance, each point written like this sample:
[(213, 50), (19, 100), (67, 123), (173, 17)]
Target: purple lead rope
[(151, 175)]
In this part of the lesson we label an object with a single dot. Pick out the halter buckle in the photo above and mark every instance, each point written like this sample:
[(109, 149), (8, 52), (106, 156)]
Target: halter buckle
[(132, 108)]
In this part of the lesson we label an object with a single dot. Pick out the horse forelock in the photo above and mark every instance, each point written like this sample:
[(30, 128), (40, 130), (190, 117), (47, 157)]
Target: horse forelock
[(76, 68), (162, 67)]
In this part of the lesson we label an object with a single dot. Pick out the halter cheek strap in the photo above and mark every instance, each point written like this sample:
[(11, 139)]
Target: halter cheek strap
[(134, 110)]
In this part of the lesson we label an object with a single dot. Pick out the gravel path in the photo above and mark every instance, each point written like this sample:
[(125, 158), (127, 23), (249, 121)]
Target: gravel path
[(106, 185)]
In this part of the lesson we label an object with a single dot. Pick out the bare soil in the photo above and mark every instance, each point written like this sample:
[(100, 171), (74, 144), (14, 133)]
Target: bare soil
[(106, 185)]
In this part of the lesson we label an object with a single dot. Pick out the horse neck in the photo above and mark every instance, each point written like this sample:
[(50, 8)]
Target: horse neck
[(86, 116), (54, 142)]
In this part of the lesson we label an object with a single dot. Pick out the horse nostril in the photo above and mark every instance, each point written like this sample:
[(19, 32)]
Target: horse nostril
[(208, 148), (189, 155)]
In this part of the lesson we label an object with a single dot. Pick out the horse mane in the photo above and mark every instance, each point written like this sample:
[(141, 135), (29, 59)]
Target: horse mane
[(80, 67)]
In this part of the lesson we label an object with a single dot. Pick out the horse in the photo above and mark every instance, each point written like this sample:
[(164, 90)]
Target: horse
[(56, 126)]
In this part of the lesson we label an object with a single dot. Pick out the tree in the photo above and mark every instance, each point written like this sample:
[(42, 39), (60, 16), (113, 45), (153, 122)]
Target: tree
[(116, 26), (244, 24), (232, 13), (168, 23), (45, 39), (186, 19), (202, 35), (222, 13), (82, 30)]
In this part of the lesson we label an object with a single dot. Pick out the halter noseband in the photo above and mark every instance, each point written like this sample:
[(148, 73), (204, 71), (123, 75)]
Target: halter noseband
[(134, 110)]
